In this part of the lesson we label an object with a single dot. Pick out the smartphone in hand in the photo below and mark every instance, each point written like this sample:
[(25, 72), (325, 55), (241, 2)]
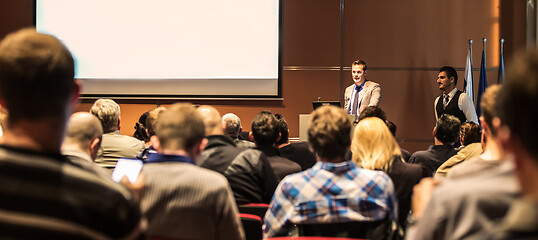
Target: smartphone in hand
[(127, 167)]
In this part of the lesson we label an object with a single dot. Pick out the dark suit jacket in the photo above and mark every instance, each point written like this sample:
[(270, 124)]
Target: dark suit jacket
[(281, 166), (370, 95), (432, 158)]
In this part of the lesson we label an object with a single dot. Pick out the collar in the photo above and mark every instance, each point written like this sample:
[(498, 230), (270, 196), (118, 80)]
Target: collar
[(159, 158), (269, 150), (451, 93), (76, 153), (218, 141), (115, 132), (360, 86), (335, 167)]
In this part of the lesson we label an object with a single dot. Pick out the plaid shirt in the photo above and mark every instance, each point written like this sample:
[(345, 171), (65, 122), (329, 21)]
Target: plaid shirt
[(330, 192)]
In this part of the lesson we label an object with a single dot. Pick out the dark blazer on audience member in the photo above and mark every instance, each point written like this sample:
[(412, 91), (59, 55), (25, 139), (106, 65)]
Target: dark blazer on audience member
[(299, 153), (281, 166), (404, 176), (432, 158)]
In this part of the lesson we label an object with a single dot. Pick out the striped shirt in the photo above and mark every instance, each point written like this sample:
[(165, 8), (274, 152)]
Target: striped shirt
[(330, 193), (44, 196)]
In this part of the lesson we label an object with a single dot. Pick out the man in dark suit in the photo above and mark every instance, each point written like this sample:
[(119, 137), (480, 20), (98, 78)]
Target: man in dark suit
[(362, 93)]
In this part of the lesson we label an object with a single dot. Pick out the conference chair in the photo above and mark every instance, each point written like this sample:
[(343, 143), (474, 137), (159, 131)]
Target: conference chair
[(313, 238), (374, 230), (252, 226), (258, 209)]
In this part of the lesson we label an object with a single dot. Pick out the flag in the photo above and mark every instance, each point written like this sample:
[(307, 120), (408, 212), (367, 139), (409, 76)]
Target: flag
[(468, 79), (482, 84), (500, 79)]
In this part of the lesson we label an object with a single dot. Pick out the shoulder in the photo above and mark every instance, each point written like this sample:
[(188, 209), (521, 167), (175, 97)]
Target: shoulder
[(371, 83)]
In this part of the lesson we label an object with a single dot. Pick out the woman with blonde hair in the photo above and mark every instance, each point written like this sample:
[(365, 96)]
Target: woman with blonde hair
[(374, 147)]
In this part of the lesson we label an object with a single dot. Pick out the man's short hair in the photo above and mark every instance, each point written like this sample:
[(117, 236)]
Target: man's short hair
[(517, 101), (108, 113), (373, 111), (487, 105), (265, 128), (152, 118), (284, 134), (180, 127), (447, 129), (360, 62), (450, 72), (82, 128), (470, 133), (329, 132), (392, 127), (36, 75), (232, 125)]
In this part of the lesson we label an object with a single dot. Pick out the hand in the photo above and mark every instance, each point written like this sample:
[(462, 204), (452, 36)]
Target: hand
[(136, 188), (422, 193)]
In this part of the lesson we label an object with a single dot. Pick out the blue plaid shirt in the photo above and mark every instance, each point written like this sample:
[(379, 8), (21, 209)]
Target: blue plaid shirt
[(330, 192)]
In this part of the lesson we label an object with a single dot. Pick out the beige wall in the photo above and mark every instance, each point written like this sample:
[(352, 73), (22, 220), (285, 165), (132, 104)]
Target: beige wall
[(403, 42)]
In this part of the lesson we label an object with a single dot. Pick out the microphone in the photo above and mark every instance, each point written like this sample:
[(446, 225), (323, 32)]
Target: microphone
[(319, 99)]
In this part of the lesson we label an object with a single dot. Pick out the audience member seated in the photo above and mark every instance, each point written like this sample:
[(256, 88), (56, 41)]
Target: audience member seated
[(232, 128), (471, 147), (466, 206), (518, 110), (151, 120), (82, 141), (114, 145), (266, 133), (44, 196), (140, 129), (333, 190), (445, 133), (392, 128), (182, 200), (248, 171), (374, 148), (297, 152)]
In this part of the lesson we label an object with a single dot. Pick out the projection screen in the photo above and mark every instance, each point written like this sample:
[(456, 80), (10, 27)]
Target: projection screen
[(169, 48)]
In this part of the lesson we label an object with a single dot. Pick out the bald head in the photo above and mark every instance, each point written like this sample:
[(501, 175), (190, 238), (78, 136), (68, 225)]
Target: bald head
[(82, 129), (231, 125), (212, 120)]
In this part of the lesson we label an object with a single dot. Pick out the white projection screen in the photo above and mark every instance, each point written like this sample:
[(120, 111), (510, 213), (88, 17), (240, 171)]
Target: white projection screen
[(169, 48)]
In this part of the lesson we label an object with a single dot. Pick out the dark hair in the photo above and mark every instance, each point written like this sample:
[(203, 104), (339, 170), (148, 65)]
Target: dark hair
[(487, 104), (470, 133), (265, 128), (372, 111), (140, 128), (447, 129), (284, 134), (517, 101), (36, 75), (392, 127), (360, 62), (450, 72), (329, 132)]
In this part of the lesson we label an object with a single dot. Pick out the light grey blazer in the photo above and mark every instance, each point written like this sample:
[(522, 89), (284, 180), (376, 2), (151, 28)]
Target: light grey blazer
[(370, 95)]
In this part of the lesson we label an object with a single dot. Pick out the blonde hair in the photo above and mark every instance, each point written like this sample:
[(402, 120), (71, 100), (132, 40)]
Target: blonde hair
[(373, 146)]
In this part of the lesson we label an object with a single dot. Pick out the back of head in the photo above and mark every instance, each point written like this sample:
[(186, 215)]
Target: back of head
[(231, 125), (329, 132), (283, 125), (180, 127), (373, 145), (108, 113), (152, 118), (140, 128), (372, 111), (447, 129), (517, 102), (470, 133), (82, 128), (392, 127), (487, 105), (265, 129), (36, 76), (450, 72), (212, 120)]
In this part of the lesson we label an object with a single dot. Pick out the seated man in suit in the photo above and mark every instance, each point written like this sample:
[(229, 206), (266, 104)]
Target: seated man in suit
[(182, 200), (362, 93), (445, 133), (114, 145), (232, 127), (333, 190), (44, 196), (265, 131)]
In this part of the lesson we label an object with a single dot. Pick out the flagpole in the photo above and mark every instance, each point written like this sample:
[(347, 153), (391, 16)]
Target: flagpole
[(484, 40), (471, 51), (502, 44)]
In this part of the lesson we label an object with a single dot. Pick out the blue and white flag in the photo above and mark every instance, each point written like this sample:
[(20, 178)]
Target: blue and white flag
[(468, 78)]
